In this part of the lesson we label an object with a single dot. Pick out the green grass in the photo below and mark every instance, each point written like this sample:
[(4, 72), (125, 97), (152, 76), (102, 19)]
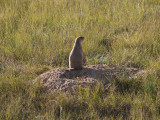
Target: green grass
[(36, 35)]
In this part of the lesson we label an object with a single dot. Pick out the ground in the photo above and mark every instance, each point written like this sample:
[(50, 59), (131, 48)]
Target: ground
[(64, 79)]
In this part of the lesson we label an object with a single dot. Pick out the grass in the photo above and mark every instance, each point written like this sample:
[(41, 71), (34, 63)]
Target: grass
[(38, 35)]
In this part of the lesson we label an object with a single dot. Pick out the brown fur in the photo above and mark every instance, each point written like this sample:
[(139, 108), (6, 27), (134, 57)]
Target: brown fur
[(76, 57)]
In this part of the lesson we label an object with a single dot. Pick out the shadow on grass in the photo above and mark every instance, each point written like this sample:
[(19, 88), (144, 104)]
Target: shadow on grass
[(128, 86), (117, 111)]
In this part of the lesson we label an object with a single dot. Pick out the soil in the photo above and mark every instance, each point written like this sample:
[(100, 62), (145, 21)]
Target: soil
[(63, 79)]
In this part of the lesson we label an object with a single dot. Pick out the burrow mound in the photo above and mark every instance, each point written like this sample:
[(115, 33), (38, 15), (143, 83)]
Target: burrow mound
[(64, 79)]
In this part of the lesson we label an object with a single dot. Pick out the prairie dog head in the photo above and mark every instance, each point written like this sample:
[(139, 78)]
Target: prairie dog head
[(79, 39)]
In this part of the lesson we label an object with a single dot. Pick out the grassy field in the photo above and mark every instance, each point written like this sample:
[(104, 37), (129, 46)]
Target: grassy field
[(37, 35)]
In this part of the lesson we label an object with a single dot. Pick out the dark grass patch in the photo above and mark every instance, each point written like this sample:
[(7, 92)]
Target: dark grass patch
[(107, 42), (128, 86), (120, 110)]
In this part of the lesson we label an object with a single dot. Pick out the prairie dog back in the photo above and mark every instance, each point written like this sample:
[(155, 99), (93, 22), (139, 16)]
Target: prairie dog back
[(76, 55)]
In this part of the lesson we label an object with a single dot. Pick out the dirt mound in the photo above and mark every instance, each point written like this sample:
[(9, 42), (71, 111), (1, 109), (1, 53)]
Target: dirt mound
[(63, 79)]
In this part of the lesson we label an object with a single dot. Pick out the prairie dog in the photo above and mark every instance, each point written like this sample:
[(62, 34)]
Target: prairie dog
[(76, 56)]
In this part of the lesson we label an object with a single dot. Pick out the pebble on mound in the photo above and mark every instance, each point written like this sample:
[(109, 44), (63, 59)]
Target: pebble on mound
[(62, 79)]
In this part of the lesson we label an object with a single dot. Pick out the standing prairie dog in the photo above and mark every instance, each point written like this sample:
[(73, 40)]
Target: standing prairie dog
[(76, 57)]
